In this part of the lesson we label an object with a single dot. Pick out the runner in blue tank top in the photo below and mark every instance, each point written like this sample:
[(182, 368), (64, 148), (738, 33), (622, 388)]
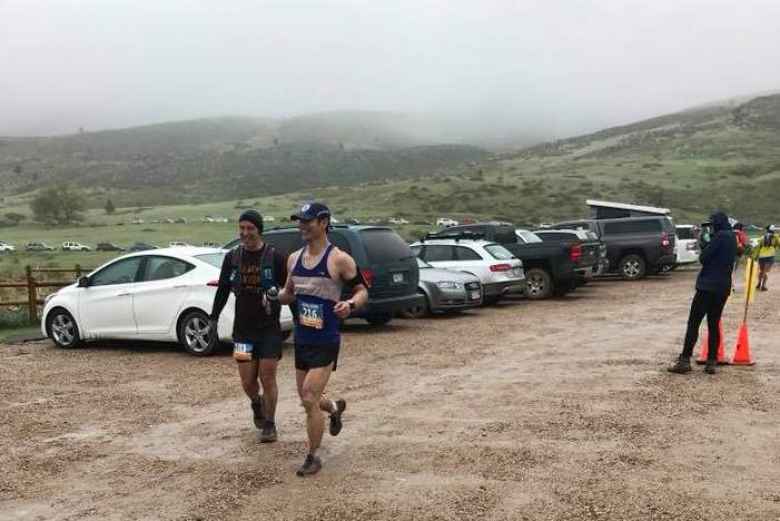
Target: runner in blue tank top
[(316, 276)]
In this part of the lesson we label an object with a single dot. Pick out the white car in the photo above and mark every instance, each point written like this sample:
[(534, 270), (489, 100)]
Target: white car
[(499, 271), (446, 222), (6, 248), (687, 244), (74, 246), (160, 295)]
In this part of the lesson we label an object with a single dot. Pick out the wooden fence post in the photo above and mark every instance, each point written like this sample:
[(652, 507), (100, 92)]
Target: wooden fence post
[(32, 295)]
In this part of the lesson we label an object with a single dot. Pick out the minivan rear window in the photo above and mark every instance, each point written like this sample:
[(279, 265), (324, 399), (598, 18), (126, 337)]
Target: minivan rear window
[(384, 246), (685, 233)]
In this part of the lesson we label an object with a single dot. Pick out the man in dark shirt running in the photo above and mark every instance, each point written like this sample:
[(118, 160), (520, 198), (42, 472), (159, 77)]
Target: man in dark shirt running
[(254, 272)]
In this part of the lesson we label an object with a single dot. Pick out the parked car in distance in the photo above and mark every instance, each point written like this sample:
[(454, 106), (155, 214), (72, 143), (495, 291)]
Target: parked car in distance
[(444, 291), (497, 269), (687, 244), (178, 244), (636, 246), (6, 248), (210, 244), (165, 295), (108, 246), (74, 246), (38, 246), (141, 246), (446, 222), (385, 260), (549, 267), (180, 220)]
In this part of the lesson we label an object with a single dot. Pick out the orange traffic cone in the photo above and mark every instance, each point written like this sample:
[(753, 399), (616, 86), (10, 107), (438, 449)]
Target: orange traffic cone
[(742, 354), (704, 349)]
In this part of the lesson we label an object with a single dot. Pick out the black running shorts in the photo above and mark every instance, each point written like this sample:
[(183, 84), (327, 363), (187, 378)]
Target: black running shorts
[(308, 356), (268, 345)]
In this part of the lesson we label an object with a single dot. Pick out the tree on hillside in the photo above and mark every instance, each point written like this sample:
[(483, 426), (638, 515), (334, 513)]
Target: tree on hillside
[(110, 209), (58, 205), (14, 217)]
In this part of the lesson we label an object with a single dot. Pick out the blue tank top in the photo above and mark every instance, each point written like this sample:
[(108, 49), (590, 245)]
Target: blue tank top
[(316, 294)]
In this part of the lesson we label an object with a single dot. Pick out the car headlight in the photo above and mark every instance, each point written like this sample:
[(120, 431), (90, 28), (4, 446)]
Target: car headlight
[(449, 285)]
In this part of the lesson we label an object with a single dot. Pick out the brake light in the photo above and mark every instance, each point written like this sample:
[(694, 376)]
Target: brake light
[(213, 283), (575, 254), (368, 277), (665, 242), (500, 267)]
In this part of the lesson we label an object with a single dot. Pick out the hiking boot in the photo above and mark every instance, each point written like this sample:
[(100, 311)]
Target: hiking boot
[(682, 366), (710, 367), (310, 466), (335, 418), (258, 415), (268, 434)]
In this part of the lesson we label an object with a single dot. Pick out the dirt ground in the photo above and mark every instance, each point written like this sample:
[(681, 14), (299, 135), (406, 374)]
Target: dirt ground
[(546, 410)]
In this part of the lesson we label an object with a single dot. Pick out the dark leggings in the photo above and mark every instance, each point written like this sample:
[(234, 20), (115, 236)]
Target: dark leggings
[(710, 304)]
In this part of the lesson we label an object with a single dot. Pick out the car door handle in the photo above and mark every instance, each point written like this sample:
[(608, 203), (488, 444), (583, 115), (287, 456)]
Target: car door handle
[(123, 294), (180, 286)]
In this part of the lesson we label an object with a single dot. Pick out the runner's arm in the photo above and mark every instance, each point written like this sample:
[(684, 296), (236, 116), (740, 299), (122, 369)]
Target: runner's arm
[(349, 273), (223, 289), (287, 295)]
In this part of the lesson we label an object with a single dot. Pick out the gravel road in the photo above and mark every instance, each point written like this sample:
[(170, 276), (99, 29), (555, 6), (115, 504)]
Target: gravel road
[(527, 410)]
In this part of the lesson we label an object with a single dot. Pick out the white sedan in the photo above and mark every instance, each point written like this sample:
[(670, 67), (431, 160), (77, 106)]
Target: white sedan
[(159, 295)]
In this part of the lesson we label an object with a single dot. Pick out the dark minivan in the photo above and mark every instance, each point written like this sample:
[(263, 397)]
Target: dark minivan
[(383, 257)]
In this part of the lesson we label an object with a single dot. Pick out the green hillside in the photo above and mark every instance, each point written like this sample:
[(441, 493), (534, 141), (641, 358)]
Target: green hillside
[(202, 160), (692, 162)]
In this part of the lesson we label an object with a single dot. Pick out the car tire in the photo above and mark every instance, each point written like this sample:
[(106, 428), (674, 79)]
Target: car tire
[(195, 333), (632, 267), (62, 329), (379, 319), (420, 311), (539, 284)]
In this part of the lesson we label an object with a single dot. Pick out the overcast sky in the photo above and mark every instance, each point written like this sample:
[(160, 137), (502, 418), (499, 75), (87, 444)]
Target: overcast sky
[(564, 66)]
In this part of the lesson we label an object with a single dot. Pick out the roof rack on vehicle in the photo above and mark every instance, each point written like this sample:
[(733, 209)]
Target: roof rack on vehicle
[(456, 235)]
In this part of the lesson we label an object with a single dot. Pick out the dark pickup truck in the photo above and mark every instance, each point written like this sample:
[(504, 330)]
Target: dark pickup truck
[(584, 247), (549, 267), (636, 246)]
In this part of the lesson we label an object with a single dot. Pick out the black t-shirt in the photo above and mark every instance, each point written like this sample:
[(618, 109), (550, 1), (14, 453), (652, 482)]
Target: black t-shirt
[(253, 317)]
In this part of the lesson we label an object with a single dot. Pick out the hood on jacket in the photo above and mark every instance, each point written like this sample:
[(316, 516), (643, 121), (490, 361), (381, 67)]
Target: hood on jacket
[(720, 221)]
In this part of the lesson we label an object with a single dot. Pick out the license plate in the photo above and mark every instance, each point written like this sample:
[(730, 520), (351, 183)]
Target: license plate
[(398, 278), (475, 295)]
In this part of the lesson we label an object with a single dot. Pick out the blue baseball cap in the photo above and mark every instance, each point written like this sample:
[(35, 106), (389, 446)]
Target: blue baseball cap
[(310, 211)]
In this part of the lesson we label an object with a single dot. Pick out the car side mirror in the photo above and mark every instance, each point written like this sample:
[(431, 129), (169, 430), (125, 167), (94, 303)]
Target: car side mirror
[(84, 282)]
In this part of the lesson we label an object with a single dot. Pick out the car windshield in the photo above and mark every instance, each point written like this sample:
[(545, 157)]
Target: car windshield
[(528, 237), (215, 259), (422, 264), (499, 252)]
